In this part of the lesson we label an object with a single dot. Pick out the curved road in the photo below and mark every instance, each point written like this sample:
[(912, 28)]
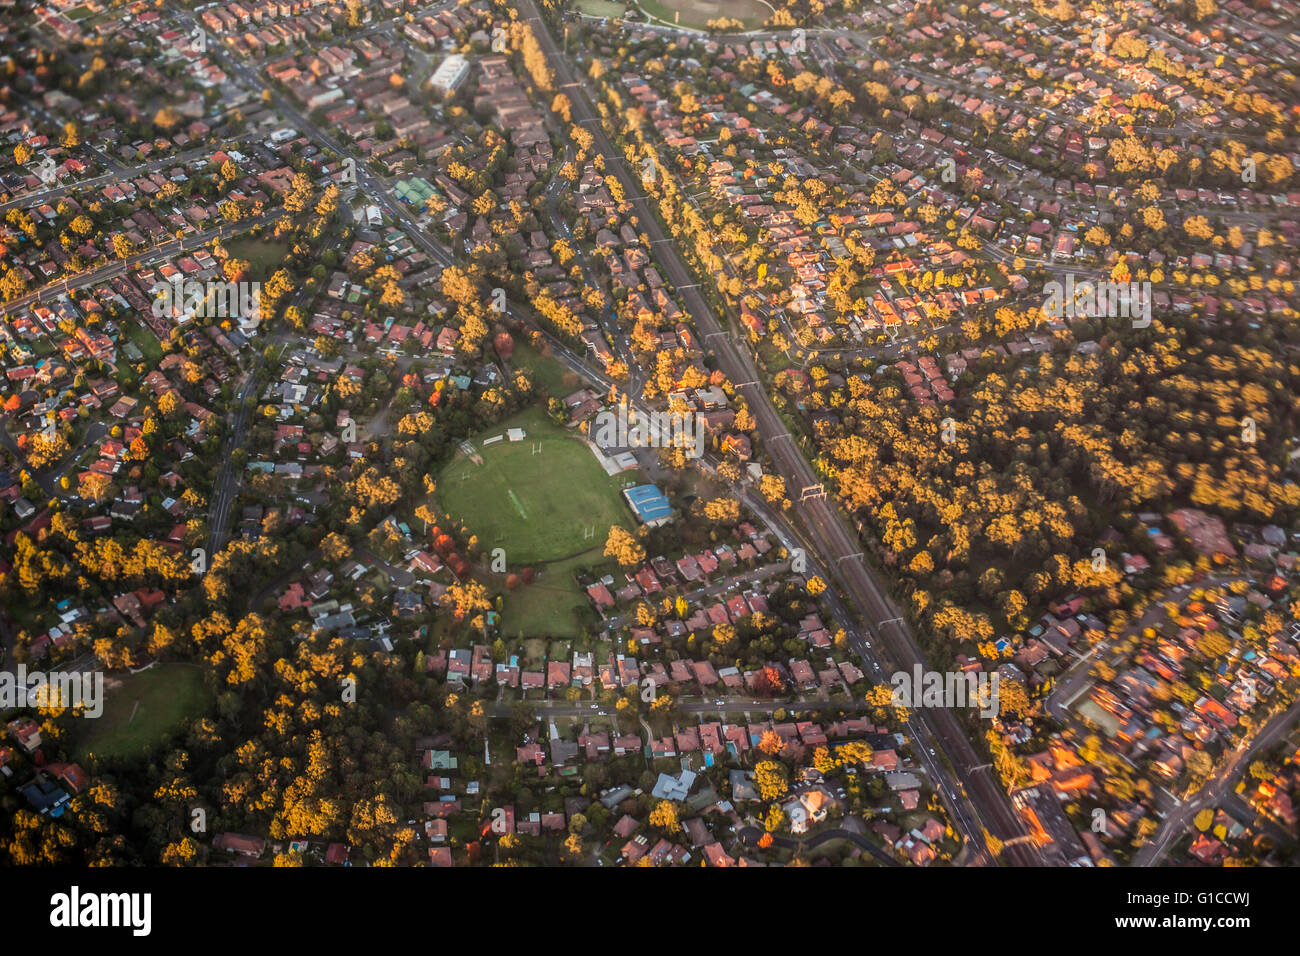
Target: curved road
[(751, 835)]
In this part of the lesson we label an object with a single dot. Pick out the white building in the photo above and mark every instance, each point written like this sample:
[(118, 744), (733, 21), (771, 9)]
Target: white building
[(450, 74)]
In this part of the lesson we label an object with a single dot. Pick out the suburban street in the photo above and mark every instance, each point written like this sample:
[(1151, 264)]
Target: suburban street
[(53, 194), (166, 250), (1214, 791), (226, 486)]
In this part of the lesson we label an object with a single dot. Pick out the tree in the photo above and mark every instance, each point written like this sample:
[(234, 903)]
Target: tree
[(664, 817), (170, 403), (720, 510), (994, 844), (1012, 697), (823, 761), (42, 452), (335, 547), (772, 487), (458, 286), (167, 117), (623, 547), (1199, 765), (468, 597), (1213, 644), (770, 777)]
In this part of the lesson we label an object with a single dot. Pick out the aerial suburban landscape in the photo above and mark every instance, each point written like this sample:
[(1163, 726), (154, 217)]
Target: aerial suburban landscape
[(569, 433)]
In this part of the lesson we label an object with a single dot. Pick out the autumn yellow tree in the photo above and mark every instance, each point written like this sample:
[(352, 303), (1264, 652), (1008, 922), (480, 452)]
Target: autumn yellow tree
[(664, 816), (623, 547), (770, 778)]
